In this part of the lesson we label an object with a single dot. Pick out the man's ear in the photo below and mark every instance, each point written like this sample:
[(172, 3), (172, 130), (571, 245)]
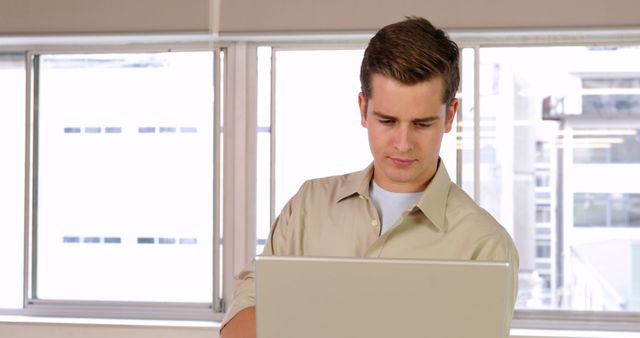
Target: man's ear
[(362, 103), (451, 115)]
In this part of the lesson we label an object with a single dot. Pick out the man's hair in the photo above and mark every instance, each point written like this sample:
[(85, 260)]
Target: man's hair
[(412, 51)]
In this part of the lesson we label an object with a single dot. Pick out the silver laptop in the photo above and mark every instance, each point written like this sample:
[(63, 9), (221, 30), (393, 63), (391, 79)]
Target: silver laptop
[(313, 297)]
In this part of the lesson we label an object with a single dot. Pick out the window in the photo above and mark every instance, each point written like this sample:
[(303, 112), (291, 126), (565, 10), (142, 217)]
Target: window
[(565, 161), (115, 194), (123, 177), (618, 145), (323, 109), (315, 99), (543, 249), (606, 210), (611, 95), (522, 150), (317, 130), (543, 213), (542, 178)]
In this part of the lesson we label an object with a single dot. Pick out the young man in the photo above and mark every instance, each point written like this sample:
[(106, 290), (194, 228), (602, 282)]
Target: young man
[(404, 204)]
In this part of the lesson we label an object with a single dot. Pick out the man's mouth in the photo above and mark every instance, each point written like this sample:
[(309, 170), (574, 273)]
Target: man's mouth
[(401, 162)]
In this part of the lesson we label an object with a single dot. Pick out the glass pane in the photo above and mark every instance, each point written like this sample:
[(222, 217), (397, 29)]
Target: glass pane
[(125, 177), (559, 163), (466, 116), (12, 147), (590, 210), (263, 163), (317, 119)]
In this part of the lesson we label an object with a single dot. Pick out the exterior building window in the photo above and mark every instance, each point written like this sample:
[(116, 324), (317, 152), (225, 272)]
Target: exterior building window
[(620, 145), (606, 210), (543, 214), (543, 248)]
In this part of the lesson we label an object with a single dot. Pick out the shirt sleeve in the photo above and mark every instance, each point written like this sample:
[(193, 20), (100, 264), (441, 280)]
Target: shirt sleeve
[(500, 247), (244, 294), (244, 291)]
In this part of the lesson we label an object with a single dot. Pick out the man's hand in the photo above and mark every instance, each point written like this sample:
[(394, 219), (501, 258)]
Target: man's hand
[(242, 325)]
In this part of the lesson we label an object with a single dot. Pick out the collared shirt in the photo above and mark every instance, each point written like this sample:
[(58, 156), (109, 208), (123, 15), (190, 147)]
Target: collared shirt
[(335, 217)]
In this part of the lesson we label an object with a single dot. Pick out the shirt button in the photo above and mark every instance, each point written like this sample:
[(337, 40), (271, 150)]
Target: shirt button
[(374, 223)]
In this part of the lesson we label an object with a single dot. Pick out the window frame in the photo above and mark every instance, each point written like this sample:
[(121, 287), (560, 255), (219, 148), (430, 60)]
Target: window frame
[(31, 48)]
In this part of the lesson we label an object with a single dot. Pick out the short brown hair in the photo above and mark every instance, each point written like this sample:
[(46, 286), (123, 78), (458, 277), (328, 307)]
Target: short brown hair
[(412, 51)]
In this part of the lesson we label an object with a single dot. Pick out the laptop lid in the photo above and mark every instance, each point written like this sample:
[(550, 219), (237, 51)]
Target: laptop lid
[(313, 297)]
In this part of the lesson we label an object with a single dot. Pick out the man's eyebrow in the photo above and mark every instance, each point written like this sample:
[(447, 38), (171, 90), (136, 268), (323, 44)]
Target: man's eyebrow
[(383, 116), (420, 120), (426, 119)]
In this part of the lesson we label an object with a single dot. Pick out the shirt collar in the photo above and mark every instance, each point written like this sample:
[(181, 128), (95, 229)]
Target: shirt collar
[(356, 183), (432, 203)]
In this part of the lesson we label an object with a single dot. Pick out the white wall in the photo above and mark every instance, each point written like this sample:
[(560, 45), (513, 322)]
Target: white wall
[(117, 16), (98, 16), (288, 15)]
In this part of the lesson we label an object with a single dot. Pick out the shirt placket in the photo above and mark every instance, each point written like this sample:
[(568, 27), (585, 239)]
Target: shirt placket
[(375, 250), (372, 219)]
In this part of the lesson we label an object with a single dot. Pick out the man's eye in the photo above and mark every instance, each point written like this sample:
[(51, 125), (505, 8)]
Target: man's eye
[(423, 125), (386, 121)]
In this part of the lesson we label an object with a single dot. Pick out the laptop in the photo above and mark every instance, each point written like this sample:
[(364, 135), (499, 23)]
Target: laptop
[(316, 297)]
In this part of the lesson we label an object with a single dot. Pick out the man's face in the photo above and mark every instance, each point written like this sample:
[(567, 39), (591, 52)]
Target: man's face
[(405, 124)]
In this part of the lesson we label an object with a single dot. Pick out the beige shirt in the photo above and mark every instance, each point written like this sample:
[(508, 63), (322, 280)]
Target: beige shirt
[(334, 216)]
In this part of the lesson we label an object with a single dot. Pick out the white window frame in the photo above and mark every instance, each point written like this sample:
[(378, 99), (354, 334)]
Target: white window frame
[(33, 46)]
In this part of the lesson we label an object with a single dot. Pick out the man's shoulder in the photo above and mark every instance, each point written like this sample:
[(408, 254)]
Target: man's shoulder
[(462, 210), (326, 191), (459, 199), (464, 215), (334, 183), (334, 179)]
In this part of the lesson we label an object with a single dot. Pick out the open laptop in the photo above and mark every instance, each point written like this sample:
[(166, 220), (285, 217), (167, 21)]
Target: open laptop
[(313, 297)]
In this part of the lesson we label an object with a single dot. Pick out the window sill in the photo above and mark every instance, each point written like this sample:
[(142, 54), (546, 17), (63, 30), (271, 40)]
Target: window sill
[(30, 326), (52, 327), (536, 333), (17, 319)]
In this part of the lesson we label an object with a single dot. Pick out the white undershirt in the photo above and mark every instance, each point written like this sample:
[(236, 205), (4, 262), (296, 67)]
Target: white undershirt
[(390, 205)]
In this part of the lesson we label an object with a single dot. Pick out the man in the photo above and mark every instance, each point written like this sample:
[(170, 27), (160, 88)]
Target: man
[(404, 205)]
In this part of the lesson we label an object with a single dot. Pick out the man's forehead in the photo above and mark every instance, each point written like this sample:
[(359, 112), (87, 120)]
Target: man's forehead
[(381, 80)]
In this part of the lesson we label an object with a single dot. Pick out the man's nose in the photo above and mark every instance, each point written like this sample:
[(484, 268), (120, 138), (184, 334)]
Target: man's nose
[(404, 139)]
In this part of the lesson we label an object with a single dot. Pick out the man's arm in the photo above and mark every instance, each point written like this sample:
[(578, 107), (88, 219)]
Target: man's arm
[(242, 325), (240, 319)]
